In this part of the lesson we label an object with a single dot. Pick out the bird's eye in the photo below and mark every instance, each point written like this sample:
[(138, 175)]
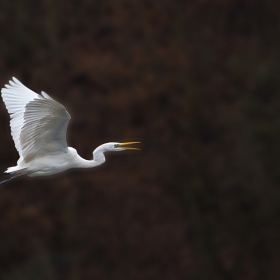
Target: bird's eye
[(116, 145)]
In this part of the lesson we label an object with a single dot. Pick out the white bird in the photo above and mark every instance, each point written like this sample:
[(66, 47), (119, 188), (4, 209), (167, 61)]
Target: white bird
[(38, 127)]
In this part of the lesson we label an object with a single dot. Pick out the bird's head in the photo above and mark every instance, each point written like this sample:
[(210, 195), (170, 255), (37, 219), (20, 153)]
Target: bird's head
[(116, 146)]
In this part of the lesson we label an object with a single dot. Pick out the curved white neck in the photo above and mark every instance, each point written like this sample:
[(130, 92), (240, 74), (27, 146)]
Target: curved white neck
[(98, 155), (98, 159)]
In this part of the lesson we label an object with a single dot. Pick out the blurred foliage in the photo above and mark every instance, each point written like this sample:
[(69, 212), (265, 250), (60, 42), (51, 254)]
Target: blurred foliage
[(197, 83)]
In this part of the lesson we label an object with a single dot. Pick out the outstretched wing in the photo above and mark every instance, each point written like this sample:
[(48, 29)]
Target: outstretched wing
[(38, 123)]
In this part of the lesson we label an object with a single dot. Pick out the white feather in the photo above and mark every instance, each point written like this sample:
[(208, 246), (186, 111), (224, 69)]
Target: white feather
[(15, 97)]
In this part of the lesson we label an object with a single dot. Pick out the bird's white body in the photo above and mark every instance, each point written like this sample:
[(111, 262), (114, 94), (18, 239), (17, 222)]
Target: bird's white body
[(38, 127), (56, 163)]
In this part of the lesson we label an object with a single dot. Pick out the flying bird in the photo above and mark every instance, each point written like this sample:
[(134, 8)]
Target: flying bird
[(38, 127)]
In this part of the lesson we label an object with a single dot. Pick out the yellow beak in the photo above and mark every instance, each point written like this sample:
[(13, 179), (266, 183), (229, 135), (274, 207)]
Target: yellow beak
[(123, 146)]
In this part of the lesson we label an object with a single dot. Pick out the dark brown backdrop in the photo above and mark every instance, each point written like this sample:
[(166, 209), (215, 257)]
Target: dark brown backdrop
[(197, 82)]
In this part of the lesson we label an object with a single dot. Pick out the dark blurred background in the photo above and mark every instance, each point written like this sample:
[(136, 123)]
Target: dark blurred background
[(197, 82)]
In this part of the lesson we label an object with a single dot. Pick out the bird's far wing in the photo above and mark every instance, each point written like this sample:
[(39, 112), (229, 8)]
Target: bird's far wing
[(38, 122), (15, 96)]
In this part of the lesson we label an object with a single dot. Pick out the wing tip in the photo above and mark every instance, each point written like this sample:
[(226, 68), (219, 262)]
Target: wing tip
[(12, 83), (15, 82)]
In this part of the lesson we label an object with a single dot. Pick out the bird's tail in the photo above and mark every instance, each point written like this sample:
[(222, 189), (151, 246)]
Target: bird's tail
[(13, 177), (15, 174)]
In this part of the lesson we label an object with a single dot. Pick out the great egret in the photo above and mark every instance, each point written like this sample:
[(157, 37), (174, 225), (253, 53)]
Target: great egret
[(38, 127)]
